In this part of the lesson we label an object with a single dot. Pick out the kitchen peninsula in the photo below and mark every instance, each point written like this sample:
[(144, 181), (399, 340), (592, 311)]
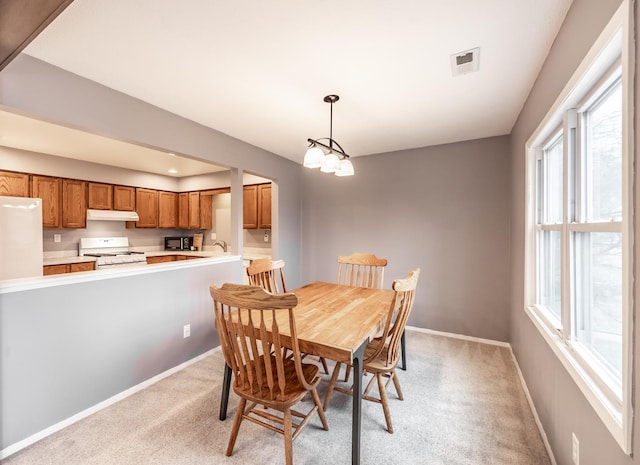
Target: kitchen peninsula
[(73, 342)]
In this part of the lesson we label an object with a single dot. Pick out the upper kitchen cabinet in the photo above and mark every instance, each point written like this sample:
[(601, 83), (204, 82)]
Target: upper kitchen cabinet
[(264, 206), (167, 209), (206, 210), (74, 204), (14, 184), (124, 198), (49, 190), (250, 207), (100, 196), (194, 210), (256, 206), (189, 210), (64, 202), (147, 208)]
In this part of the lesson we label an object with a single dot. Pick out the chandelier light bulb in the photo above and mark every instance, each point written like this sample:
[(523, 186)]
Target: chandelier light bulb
[(330, 163), (346, 168), (313, 157)]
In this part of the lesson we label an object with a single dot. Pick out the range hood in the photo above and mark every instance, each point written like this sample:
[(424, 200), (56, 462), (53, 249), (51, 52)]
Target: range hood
[(112, 215)]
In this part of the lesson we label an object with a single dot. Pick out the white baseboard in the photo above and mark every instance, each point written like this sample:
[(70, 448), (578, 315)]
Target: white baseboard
[(458, 336), (13, 448), (533, 409)]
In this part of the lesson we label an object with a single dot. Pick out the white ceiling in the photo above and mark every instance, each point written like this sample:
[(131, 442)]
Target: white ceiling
[(258, 70)]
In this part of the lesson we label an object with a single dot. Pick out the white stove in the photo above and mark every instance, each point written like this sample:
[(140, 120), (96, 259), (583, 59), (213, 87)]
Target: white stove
[(110, 252)]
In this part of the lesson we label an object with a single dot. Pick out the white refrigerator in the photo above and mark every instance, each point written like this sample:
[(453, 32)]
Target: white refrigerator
[(20, 237)]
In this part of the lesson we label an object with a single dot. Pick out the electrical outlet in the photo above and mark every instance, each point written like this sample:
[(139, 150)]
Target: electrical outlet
[(57, 237), (186, 331), (575, 449), (213, 236), (266, 236)]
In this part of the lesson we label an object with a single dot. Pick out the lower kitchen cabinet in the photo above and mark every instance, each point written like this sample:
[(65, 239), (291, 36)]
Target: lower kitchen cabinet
[(169, 258), (161, 259), (67, 268)]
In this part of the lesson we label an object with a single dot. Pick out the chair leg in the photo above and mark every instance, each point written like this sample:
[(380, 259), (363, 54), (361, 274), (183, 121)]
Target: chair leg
[(347, 372), (403, 347), (236, 426), (288, 441), (383, 399), (332, 385), (324, 365), (396, 383), (316, 400)]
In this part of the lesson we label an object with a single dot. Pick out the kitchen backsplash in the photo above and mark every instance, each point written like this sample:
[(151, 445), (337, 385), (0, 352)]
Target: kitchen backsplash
[(69, 238)]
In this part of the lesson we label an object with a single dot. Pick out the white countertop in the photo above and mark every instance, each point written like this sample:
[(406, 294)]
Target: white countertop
[(63, 258)]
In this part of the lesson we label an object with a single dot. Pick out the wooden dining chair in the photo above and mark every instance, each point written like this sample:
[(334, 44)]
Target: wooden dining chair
[(383, 352), (365, 270), (251, 323), (269, 275), (362, 270)]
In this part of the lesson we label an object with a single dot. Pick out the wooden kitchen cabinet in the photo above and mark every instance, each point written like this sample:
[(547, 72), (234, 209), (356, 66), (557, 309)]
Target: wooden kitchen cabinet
[(206, 210), (264, 206), (100, 196), (83, 266), (74, 204), (147, 208), (183, 210), (189, 210), (194, 210), (250, 207), (161, 259), (14, 184), (48, 270), (49, 190), (167, 209), (256, 206), (124, 198)]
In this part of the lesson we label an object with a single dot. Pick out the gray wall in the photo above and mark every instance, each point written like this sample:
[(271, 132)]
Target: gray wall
[(68, 347), (40, 90), (444, 209), (560, 404)]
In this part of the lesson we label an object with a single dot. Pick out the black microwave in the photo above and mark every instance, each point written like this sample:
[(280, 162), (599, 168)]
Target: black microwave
[(178, 243)]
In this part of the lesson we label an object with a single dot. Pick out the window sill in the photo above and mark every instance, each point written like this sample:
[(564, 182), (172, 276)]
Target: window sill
[(611, 415)]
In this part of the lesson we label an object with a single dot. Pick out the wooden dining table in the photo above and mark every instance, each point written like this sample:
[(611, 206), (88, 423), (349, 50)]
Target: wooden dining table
[(336, 322)]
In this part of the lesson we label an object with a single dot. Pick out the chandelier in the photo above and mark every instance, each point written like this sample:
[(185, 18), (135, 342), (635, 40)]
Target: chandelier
[(329, 158)]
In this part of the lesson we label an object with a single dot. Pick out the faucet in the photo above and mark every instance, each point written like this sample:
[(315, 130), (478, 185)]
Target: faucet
[(222, 244)]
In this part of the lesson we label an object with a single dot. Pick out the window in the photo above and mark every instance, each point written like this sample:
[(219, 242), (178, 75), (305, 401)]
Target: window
[(578, 288)]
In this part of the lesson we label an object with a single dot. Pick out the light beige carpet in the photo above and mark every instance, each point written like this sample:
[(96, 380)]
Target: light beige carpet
[(464, 405)]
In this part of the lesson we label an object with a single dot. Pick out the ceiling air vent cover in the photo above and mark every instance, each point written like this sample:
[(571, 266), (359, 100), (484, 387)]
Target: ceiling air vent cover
[(465, 62)]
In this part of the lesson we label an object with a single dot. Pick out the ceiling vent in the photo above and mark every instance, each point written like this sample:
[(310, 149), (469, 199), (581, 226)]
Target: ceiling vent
[(465, 62)]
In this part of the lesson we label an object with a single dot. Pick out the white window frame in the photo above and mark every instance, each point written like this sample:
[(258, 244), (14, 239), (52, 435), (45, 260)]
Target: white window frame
[(615, 43)]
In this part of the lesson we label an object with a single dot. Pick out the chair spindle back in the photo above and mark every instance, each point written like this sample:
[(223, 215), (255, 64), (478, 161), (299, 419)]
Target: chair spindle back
[(243, 314), (268, 274), (362, 270)]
